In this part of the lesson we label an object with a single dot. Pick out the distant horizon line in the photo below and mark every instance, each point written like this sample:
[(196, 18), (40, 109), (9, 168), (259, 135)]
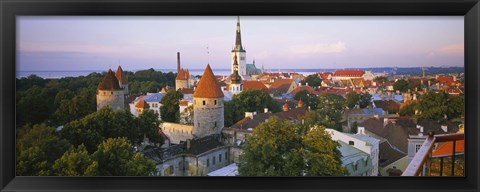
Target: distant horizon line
[(174, 69)]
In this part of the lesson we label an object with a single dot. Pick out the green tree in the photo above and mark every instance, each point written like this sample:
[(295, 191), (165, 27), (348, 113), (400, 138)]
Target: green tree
[(248, 101), (352, 99), (312, 80), (310, 100), (280, 148), (401, 85), (37, 149), (408, 110), (170, 110), (329, 111), (436, 106), (76, 162), (381, 79), (115, 157), (149, 126), (104, 123), (365, 100)]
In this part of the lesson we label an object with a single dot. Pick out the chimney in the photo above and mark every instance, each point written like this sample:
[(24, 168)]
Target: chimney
[(178, 62), (421, 130), (444, 128), (249, 114), (361, 130), (265, 110)]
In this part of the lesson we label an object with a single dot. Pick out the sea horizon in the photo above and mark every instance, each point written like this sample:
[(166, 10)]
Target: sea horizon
[(57, 74)]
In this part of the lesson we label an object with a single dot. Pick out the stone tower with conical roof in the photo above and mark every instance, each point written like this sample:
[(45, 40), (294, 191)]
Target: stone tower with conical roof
[(109, 93), (208, 106), (236, 83), (122, 80), (239, 52)]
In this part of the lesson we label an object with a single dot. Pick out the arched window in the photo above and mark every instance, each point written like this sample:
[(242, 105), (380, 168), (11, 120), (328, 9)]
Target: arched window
[(203, 102)]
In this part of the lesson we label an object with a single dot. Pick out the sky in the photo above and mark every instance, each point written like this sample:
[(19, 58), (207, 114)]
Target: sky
[(56, 43)]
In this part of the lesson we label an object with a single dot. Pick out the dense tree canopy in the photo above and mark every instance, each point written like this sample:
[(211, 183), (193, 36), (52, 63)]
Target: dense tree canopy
[(437, 106), (401, 85), (248, 101), (329, 111), (310, 100), (312, 80), (170, 110), (115, 158), (280, 148), (75, 162), (37, 149)]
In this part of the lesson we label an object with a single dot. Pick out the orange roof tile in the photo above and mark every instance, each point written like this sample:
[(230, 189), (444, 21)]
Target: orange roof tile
[(208, 86), (301, 88), (120, 75), (349, 73), (109, 82), (183, 74), (183, 103), (446, 148), (446, 80), (142, 104), (255, 85), (279, 82)]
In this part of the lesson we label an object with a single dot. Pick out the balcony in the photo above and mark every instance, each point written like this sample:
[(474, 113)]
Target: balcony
[(446, 160)]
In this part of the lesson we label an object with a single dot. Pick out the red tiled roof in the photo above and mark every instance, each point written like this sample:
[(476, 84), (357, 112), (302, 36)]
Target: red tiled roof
[(121, 75), (142, 104), (255, 85), (183, 103), (446, 80), (183, 74), (208, 86), (349, 73), (325, 75), (279, 82), (109, 82), (301, 88), (446, 148), (186, 90)]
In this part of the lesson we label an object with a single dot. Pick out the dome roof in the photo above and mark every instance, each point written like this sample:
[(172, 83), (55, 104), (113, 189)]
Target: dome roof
[(208, 86)]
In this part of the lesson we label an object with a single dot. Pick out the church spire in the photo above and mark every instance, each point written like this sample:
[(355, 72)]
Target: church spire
[(238, 38)]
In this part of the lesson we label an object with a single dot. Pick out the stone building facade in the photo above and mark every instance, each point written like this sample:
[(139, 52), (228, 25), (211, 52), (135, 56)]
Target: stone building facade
[(109, 93)]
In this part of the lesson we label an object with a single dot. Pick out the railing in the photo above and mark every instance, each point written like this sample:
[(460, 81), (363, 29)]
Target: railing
[(421, 163)]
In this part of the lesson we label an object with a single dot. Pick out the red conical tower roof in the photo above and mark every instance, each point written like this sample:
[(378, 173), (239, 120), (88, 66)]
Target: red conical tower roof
[(300, 103), (208, 86), (120, 75), (109, 82)]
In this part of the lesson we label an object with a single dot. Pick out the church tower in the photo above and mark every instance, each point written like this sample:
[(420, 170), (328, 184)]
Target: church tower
[(109, 93), (236, 84), (208, 106), (122, 79), (238, 50)]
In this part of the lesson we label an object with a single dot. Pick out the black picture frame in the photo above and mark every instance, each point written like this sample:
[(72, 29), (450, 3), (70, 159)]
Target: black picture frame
[(470, 9)]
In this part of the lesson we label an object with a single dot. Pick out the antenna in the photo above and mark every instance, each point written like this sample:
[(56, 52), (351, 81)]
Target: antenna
[(208, 55)]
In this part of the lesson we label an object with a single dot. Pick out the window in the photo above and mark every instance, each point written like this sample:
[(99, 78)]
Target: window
[(203, 102), (417, 147), (213, 159), (351, 143), (215, 124), (219, 157), (198, 124), (215, 102), (208, 162), (226, 157)]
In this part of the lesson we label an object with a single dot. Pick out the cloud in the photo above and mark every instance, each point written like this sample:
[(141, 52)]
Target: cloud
[(319, 48), (448, 50)]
